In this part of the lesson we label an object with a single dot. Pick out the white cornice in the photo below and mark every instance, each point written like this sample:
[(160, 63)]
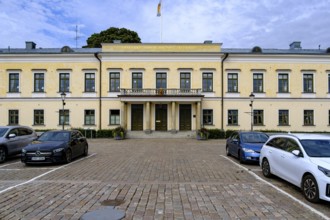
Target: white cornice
[(277, 58), (47, 58)]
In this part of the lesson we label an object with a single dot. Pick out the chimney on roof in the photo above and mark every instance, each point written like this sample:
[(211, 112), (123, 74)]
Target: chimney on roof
[(207, 42), (295, 45), (30, 45)]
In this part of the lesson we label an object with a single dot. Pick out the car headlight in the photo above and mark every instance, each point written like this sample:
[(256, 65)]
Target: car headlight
[(23, 151), (58, 150), (247, 150), (324, 170)]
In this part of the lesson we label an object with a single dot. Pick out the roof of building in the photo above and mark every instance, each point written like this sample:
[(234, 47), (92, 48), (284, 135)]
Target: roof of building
[(294, 48)]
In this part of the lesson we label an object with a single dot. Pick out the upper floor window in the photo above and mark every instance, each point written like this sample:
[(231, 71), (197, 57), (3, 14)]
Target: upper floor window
[(283, 83), (89, 82), (207, 82), (184, 80), (137, 80), (64, 82), (283, 117), (258, 82), (114, 81), (39, 82), (308, 83), (207, 116), (89, 117), (258, 117), (38, 117), (233, 117), (308, 117), (13, 82), (232, 82), (13, 117), (161, 81)]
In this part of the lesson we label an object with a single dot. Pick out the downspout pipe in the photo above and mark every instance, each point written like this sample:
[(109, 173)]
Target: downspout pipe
[(222, 89), (100, 92)]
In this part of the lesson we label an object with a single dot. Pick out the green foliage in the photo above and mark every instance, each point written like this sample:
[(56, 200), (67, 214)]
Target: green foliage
[(119, 132), (111, 34), (104, 133), (216, 134)]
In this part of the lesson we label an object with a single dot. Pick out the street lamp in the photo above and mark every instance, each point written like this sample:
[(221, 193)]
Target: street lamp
[(63, 104), (251, 105)]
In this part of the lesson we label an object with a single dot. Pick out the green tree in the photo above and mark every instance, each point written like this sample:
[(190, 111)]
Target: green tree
[(111, 34)]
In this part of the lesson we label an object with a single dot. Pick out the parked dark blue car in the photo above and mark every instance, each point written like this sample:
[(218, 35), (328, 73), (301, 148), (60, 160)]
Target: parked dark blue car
[(246, 145), (55, 147)]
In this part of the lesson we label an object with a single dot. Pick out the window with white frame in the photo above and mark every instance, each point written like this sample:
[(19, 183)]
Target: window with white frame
[(13, 117), (114, 81), (89, 82), (232, 117), (232, 82), (207, 82), (114, 117), (39, 82), (207, 116), (64, 82), (13, 82), (308, 117), (308, 80), (283, 83), (258, 82), (89, 117), (258, 117)]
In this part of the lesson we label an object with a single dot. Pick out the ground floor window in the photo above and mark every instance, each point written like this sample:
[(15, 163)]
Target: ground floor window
[(207, 116), (114, 117), (308, 117), (232, 117), (38, 116), (89, 117), (13, 117), (258, 117), (283, 117), (64, 117)]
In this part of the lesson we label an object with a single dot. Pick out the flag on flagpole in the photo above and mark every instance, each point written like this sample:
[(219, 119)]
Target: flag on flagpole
[(159, 8)]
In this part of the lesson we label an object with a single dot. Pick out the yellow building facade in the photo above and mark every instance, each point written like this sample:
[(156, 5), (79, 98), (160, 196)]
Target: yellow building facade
[(165, 87)]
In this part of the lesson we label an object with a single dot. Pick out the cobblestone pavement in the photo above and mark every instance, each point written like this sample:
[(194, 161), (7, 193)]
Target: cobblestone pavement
[(148, 179)]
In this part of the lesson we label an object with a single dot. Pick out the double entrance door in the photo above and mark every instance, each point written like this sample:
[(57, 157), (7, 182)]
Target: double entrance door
[(161, 117)]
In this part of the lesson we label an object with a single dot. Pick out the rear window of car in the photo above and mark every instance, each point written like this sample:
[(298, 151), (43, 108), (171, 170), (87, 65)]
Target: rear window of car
[(24, 131), (279, 143)]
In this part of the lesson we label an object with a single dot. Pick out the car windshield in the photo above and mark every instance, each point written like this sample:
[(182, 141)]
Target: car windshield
[(254, 138), (3, 131), (316, 148), (54, 136)]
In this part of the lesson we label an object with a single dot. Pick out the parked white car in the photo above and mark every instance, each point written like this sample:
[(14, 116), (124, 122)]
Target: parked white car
[(301, 159)]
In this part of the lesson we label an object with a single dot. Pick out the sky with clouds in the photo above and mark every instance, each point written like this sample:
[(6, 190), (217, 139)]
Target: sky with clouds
[(235, 23)]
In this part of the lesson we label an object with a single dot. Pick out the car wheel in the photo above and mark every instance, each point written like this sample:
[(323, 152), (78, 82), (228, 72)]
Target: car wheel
[(68, 156), (310, 188), (266, 168), (3, 154), (240, 157), (85, 150), (227, 151)]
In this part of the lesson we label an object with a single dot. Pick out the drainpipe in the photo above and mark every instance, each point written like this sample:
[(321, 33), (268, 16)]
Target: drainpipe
[(222, 90), (100, 92)]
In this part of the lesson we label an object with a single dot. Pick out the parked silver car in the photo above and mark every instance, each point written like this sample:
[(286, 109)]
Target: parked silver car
[(13, 139)]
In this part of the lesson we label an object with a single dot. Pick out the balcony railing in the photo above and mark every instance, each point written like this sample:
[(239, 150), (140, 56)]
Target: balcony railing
[(160, 92)]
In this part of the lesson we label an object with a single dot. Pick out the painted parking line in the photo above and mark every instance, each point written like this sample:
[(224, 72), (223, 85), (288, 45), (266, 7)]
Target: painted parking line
[(9, 164), (44, 174), (280, 190)]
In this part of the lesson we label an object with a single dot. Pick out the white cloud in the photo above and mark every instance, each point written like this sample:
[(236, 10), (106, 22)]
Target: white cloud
[(235, 23)]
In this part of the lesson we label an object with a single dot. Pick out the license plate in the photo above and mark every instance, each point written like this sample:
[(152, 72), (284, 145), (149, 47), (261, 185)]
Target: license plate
[(37, 158)]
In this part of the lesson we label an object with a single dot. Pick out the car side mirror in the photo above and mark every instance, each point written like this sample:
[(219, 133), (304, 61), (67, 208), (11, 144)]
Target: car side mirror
[(296, 153), (11, 135)]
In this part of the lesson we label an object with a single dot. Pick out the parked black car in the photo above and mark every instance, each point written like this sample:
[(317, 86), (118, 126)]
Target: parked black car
[(13, 139), (55, 147)]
